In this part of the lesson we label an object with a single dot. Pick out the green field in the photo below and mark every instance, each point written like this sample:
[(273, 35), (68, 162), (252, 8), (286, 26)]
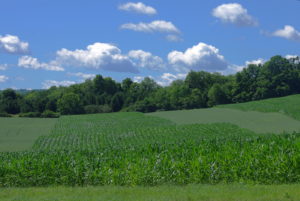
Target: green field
[(135, 149), (256, 121), (18, 134), (233, 192), (289, 105)]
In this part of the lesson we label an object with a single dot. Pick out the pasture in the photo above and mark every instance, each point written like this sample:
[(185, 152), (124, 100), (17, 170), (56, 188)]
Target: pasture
[(258, 122), (288, 105), (19, 134)]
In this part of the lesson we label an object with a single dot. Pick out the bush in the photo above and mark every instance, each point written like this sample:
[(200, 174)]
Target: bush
[(4, 114), (50, 114), (93, 109), (30, 114)]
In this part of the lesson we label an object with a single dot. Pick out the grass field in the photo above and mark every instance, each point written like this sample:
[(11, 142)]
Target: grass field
[(18, 134), (256, 121), (289, 105), (232, 192)]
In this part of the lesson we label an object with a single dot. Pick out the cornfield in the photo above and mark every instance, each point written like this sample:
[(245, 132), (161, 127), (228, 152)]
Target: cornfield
[(134, 149)]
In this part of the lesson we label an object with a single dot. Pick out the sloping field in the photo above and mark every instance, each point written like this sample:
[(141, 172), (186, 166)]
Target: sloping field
[(256, 121), (289, 105), (18, 134)]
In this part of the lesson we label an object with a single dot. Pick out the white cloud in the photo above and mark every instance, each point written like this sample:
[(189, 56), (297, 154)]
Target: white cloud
[(146, 60), (12, 44), (138, 8), (84, 76), (3, 78), (293, 58), (3, 66), (234, 13), (259, 61), (173, 38), (155, 26), (138, 79), (289, 33), (97, 56), (49, 83), (167, 78), (199, 57), (33, 63)]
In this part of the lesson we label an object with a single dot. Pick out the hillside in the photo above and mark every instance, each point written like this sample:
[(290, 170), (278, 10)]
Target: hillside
[(289, 105)]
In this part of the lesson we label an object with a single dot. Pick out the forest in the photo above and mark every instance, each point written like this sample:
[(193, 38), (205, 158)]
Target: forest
[(276, 78)]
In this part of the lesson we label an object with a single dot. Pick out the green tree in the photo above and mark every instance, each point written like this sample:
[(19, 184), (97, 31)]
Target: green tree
[(70, 104)]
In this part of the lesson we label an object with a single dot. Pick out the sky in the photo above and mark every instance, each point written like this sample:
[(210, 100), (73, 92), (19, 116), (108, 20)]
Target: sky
[(46, 43)]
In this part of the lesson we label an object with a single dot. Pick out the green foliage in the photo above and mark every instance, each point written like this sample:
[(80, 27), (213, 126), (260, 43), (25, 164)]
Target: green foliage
[(217, 95), (4, 114), (50, 114), (9, 102), (30, 115), (70, 104)]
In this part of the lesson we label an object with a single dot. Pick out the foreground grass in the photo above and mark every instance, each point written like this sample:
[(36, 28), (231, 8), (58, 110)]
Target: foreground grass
[(19, 134), (233, 192)]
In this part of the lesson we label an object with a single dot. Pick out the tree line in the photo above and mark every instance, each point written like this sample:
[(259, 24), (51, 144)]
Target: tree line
[(275, 78)]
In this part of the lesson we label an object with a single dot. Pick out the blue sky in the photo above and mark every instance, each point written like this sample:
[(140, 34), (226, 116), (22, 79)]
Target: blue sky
[(51, 42)]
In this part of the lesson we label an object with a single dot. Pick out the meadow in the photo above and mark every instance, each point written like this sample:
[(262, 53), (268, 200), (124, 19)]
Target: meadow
[(259, 122), (289, 105), (19, 134)]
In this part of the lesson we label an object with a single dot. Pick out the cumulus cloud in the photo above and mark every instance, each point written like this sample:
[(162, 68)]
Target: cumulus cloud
[(259, 61), (167, 78), (234, 13), (33, 63), (97, 56), (288, 32), (232, 69), (3, 66), (49, 83), (138, 8), (199, 57), (3, 78), (155, 26), (146, 60), (84, 76), (138, 79), (293, 58), (13, 45)]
